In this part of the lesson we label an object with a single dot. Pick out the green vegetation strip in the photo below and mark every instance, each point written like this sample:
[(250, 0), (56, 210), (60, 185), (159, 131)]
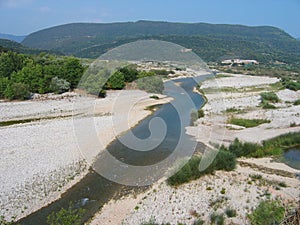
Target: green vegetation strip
[(226, 157), (190, 171), (247, 122)]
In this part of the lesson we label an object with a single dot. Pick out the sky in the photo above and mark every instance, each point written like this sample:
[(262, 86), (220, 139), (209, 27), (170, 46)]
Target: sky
[(22, 17)]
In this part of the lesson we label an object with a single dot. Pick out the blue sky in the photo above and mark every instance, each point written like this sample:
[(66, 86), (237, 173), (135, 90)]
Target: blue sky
[(26, 16)]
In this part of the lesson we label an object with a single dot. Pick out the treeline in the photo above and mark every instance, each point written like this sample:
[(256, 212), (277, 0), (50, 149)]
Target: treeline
[(106, 75), (22, 74)]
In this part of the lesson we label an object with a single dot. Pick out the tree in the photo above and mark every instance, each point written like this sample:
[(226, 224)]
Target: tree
[(17, 91), (59, 86), (116, 81), (4, 82), (130, 74), (10, 62), (72, 71)]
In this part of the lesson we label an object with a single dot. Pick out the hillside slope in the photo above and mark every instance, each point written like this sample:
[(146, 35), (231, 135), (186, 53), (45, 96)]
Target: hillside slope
[(211, 42), (14, 46)]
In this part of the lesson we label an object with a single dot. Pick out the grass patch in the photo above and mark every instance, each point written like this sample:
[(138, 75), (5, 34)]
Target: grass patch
[(217, 219), (234, 110), (269, 97), (247, 122), (221, 75), (267, 212)]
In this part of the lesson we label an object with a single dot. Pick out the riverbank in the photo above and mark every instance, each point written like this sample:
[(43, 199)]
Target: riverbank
[(41, 158), (253, 181)]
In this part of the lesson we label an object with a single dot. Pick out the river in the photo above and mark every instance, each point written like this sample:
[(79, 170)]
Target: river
[(93, 191)]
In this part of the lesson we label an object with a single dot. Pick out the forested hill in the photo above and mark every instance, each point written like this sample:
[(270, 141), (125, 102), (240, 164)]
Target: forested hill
[(210, 41), (6, 45)]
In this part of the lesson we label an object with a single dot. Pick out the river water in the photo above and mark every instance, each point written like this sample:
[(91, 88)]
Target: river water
[(292, 157), (94, 190)]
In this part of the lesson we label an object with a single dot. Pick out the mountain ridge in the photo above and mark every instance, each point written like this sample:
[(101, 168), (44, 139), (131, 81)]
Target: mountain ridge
[(93, 39)]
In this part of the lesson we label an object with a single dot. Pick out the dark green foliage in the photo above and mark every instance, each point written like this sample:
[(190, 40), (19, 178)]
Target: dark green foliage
[(271, 147), (230, 212), (116, 81), (201, 113), (269, 97), (243, 149), (292, 85), (36, 74), (68, 216), (267, 213), (190, 171), (297, 102), (154, 97), (247, 122), (72, 71), (10, 62), (210, 42), (217, 219), (130, 74), (267, 105), (17, 91)]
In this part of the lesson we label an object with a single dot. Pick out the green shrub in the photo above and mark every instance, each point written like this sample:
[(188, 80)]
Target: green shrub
[(154, 97), (68, 216), (282, 184), (267, 105), (292, 85), (230, 213), (190, 171), (247, 122), (271, 147), (17, 91), (269, 97), (267, 213), (223, 191), (201, 113), (297, 102), (217, 219), (242, 149)]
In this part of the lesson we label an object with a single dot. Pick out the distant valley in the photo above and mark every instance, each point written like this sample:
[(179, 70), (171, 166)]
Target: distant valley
[(16, 38)]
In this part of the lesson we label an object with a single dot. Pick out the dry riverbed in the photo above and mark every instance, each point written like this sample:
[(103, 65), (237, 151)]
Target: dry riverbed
[(40, 157), (253, 181)]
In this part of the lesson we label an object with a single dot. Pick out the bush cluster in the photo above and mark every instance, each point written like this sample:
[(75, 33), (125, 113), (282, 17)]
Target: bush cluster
[(190, 171)]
